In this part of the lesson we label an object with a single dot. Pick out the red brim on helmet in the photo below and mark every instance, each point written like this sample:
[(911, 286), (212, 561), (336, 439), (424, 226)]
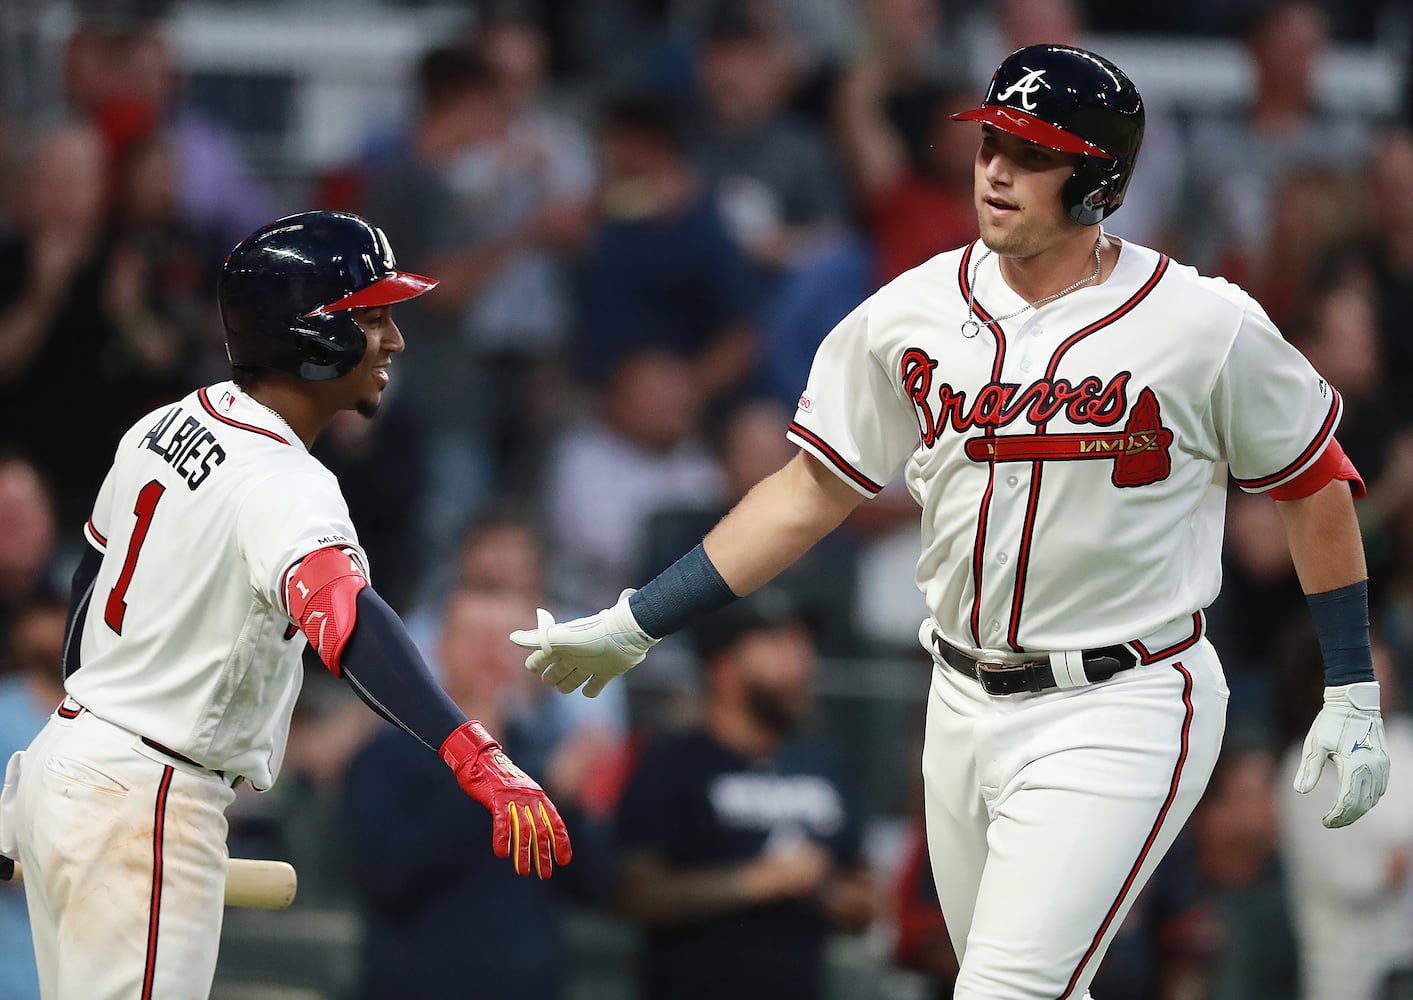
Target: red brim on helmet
[(396, 286), (1030, 128)]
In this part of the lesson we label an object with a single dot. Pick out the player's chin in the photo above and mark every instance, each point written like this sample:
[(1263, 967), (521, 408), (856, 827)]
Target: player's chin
[(368, 405)]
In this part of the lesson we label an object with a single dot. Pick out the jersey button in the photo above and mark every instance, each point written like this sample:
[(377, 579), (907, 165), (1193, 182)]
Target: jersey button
[(1011, 481), (995, 626), (1002, 558)]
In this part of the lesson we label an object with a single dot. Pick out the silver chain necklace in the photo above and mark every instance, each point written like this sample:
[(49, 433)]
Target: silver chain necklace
[(971, 327)]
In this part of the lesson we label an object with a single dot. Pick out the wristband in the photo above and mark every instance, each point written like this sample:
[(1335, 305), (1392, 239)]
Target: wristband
[(686, 590), (1342, 625)]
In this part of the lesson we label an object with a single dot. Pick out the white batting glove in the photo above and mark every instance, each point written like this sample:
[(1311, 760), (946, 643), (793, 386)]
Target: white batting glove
[(595, 649), (1349, 731)]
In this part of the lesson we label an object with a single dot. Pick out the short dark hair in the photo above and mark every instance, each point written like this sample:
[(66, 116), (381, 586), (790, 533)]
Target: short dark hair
[(646, 114), (446, 72), (771, 607)]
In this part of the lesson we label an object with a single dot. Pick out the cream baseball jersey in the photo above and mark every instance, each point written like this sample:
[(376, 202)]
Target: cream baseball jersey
[(1071, 463), (209, 504)]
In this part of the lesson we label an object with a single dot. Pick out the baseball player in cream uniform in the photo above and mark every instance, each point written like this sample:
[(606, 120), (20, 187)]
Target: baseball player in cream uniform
[(220, 551), (1067, 409)]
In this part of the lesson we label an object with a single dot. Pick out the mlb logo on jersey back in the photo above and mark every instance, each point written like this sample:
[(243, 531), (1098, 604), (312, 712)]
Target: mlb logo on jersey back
[(806, 402), (227, 401)]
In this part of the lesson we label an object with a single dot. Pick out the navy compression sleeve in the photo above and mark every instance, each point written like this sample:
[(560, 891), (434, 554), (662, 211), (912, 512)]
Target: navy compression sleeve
[(386, 671), (80, 591)]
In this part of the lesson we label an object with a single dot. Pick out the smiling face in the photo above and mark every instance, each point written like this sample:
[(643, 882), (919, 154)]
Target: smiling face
[(1017, 194), (362, 389)]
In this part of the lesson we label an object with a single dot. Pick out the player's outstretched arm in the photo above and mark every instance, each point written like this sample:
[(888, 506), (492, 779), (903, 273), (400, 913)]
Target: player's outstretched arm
[(1329, 559), (776, 523), (361, 639)]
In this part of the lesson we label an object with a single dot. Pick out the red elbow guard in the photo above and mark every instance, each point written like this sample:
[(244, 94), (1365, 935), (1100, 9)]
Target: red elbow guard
[(1332, 464), (322, 593)]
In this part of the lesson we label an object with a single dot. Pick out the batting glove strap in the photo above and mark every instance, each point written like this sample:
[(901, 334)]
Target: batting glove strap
[(527, 827), (1350, 732), (586, 651)]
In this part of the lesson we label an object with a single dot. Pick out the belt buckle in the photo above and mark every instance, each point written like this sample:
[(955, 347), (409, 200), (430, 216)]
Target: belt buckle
[(993, 673)]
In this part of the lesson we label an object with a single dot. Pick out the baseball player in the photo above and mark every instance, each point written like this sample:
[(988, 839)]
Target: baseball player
[(218, 551), (1066, 408)]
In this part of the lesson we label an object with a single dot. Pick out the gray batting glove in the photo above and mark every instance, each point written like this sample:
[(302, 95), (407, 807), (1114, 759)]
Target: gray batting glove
[(591, 651), (1349, 731)]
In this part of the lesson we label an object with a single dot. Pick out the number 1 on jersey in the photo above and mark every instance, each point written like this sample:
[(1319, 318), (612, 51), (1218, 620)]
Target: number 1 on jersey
[(117, 606)]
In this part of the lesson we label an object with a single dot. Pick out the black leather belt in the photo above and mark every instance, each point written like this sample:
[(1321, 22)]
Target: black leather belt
[(232, 780), (997, 677), (76, 710)]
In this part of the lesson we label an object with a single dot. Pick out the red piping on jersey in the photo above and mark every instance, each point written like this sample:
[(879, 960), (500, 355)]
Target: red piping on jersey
[(1152, 834), (978, 548), (1033, 500), (1144, 656), (159, 823), (97, 535), (834, 457), (206, 405), (1326, 429)]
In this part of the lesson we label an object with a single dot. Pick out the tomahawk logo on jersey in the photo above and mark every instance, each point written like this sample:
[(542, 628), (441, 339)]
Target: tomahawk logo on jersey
[(1050, 448)]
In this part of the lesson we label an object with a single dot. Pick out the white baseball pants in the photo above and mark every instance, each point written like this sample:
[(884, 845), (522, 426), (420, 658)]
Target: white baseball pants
[(124, 855), (1046, 813)]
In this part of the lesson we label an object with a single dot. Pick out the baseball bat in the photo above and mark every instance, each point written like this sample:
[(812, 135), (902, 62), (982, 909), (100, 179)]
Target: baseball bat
[(250, 882)]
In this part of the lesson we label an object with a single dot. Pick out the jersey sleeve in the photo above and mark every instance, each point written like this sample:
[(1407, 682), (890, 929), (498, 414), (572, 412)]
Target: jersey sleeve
[(96, 528), (286, 517), (1274, 414), (852, 416)]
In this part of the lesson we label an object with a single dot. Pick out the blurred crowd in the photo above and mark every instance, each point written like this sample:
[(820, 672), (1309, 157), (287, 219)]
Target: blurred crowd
[(643, 225)]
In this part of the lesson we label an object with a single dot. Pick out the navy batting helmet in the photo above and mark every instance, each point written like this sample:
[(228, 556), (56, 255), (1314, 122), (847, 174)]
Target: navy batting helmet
[(1068, 99), (286, 289)]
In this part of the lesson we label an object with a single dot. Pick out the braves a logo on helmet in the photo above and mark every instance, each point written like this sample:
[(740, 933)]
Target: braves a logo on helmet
[(1031, 83)]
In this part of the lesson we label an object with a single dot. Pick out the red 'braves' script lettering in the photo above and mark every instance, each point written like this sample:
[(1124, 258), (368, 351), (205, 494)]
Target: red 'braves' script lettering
[(915, 371), (998, 404)]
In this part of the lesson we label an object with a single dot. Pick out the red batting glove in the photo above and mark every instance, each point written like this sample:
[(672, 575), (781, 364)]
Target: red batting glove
[(527, 825)]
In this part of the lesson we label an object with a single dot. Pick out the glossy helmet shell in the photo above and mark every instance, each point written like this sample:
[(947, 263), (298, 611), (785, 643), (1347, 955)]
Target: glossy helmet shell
[(286, 290), (1066, 98)]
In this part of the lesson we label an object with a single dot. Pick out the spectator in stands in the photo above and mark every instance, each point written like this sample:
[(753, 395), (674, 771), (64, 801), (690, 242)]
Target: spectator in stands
[(380, 468), (641, 451), (748, 442), (1236, 833), (660, 270), (121, 73), (923, 944), (742, 845), (161, 281), (55, 330), (438, 230), (30, 689), (913, 175), (1238, 160), (1386, 213), (531, 188), (1339, 335), (442, 919), (777, 181), (1350, 890), (28, 535)]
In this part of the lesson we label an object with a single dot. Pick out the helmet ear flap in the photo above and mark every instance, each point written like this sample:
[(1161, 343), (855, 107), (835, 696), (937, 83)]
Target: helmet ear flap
[(329, 346), (1093, 191)]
